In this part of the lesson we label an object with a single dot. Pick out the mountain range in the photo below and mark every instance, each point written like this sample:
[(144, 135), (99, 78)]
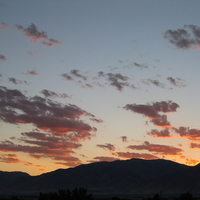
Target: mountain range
[(128, 177)]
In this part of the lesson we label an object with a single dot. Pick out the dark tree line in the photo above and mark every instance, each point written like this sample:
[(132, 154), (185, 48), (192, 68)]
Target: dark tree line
[(75, 194)]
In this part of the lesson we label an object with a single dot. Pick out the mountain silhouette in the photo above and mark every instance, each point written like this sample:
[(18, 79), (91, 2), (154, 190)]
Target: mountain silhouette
[(128, 177)]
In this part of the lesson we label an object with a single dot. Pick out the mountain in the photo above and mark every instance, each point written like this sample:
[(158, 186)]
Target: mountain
[(128, 177)]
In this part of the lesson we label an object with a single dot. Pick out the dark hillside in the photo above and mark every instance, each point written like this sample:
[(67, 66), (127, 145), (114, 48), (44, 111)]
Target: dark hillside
[(135, 176)]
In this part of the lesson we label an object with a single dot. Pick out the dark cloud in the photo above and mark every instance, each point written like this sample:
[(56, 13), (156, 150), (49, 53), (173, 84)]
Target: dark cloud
[(15, 81), (2, 57), (152, 111), (42, 145), (184, 38), (176, 82), (140, 65), (96, 120), (124, 138), (106, 146), (162, 134), (67, 76), (194, 145), (48, 44), (43, 113), (116, 80), (186, 132), (103, 158), (35, 35), (3, 25), (55, 41), (48, 93), (129, 155), (76, 73), (161, 121), (154, 82), (32, 32), (157, 149), (9, 158)]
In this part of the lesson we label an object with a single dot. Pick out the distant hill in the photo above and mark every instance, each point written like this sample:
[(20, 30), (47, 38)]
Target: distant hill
[(129, 177)]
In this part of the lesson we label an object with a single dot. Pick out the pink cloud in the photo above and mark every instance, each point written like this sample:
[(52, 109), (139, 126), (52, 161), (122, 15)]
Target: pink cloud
[(3, 25)]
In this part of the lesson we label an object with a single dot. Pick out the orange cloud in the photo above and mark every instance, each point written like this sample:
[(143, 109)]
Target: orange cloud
[(157, 149), (129, 155), (186, 132), (9, 158)]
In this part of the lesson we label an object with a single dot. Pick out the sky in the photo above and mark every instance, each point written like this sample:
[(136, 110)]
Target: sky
[(84, 81)]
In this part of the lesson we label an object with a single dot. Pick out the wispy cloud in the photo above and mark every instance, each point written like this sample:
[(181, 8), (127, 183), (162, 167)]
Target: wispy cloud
[(153, 82), (3, 25), (106, 146), (129, 155), (32, 72), (140, 65), (176, 82), (50, 94), (15, 81), (157, 149)]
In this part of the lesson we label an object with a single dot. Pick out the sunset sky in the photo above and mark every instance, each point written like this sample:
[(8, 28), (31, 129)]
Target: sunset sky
[(98, 80)]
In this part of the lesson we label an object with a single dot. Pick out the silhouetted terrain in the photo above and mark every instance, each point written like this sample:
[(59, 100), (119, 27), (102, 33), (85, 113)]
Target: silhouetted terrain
[(135, 176)]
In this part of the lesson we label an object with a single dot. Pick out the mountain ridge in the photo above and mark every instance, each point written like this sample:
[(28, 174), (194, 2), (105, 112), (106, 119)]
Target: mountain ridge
[(134, 176)]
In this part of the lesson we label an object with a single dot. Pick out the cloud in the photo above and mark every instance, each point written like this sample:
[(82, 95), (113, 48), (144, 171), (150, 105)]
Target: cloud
[(176, 82), (48, 44), (9, 158), (76, 73), (162, 134), (153, 82), (55, 41), (103, 158), (96, 120), (152, 111), (157, 149), (48, 93), (116, 80), (31, 53), (140, 65), (191, 162), (2, 57), (44, 114), (186, 132), (3, 25), (32, 32), (184, 38), (32, 72), (161, 121), (15, 81), (106, 146), (129, 155), (124, 138), (35, 35), (194, 145)]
